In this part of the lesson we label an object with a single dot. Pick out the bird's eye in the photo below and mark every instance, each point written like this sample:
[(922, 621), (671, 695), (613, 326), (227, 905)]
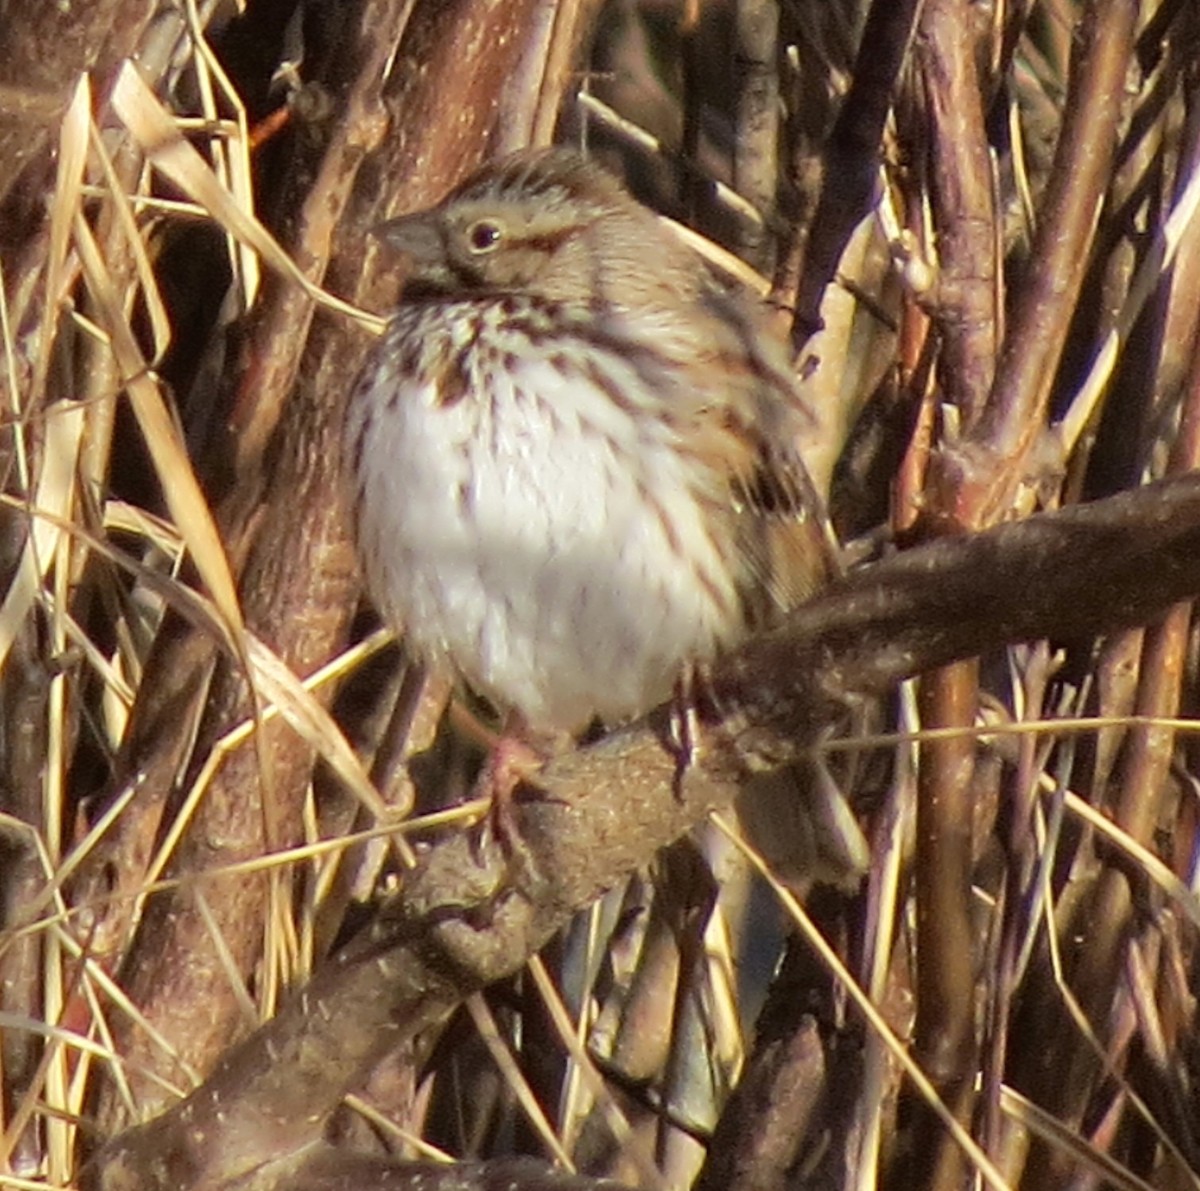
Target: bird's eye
[(483, 235)]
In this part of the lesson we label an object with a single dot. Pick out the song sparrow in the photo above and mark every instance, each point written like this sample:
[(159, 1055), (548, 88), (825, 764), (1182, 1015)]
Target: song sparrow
[(572, 448)]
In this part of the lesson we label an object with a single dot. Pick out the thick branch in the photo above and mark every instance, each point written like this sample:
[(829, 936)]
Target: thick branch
[(462, 922)]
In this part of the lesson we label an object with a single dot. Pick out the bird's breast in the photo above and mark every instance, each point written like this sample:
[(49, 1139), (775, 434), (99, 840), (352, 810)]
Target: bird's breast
[(524, 510)]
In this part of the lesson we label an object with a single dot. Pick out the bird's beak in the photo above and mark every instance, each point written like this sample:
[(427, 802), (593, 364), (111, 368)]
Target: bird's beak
[(418, 237)]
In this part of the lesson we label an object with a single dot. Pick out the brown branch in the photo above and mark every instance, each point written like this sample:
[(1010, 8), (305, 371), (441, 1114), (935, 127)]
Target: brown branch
[(794, 1106), (946, 957), (46, 49), (965, 308), (334, 1170), (756, 143), (972, 484), (464, 920), (851, 159), (965, 311)]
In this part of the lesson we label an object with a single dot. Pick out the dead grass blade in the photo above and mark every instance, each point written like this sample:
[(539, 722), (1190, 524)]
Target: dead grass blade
[(155, 132)]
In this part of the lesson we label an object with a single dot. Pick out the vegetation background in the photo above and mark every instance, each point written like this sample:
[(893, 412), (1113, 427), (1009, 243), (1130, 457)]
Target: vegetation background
[(248, 938)]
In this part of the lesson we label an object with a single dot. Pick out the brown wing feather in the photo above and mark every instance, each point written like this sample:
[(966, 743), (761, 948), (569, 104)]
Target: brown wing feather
[(785, 549), (781, 535)]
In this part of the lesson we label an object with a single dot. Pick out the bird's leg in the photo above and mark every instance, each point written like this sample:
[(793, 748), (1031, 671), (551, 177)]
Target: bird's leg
[(515, 754), (683, 730)]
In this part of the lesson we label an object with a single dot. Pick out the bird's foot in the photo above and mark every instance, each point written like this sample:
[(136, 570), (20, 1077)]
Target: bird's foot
[(691, 698), (511, 761)]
